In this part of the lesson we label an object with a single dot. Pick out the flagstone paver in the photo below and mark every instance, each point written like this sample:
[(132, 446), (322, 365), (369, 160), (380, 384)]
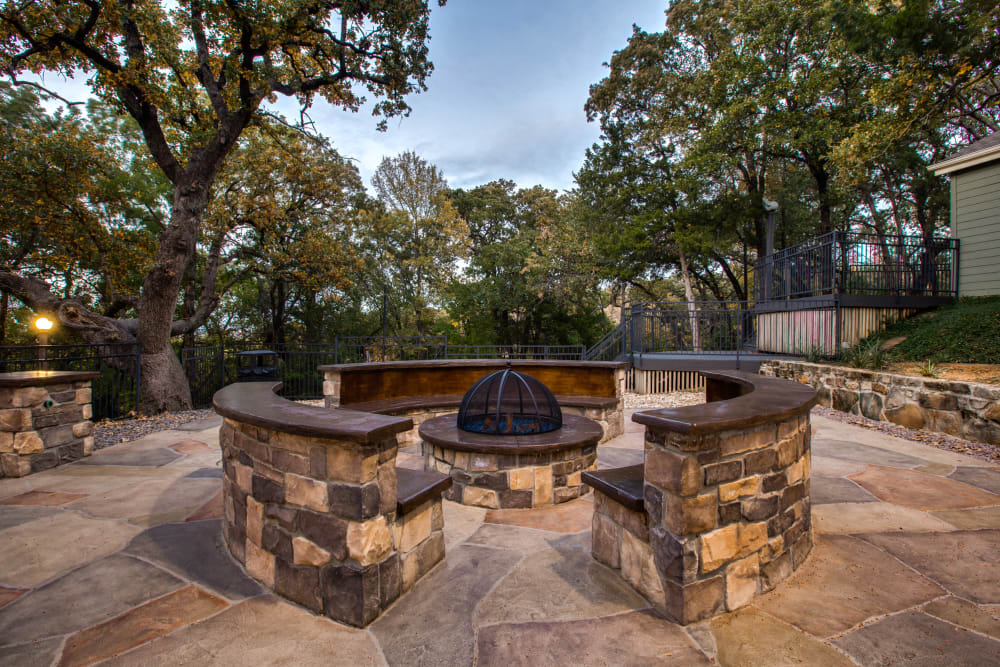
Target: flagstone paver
[(964, 562), (195, 551), (597, 641), (132, 457), (34, 654), (826, 490), (751, 637), (432, 624), (92, 594), (851, 518), (261, 631), (139, 625), (189, 446), (34, 552), (971, 519), (15, 515), (983, 478), (920, 490), (575, 587), (899, 639), (844, 582), (43, 498), (571, 517), (887, 581)]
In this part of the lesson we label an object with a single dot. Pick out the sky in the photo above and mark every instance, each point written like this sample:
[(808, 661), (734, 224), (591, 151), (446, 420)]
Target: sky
[(506, 96)]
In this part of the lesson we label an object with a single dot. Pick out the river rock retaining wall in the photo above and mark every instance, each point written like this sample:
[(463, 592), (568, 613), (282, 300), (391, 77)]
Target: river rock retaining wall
[(963, 409)]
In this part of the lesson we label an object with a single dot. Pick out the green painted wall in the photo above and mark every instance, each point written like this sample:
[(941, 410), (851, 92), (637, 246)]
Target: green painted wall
[(975, 220)]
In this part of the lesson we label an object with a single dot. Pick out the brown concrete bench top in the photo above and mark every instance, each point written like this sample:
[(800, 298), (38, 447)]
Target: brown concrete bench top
[(257, 403), (575, 432), (413, 487), (623, 485), (467, 363), (35, 378), (387, 405), (736, 400)]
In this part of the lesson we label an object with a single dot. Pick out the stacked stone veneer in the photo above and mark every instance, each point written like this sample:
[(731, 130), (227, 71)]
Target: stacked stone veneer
[(502, 481), (726, 517), (963, 409), (316, 520), (44, 422)]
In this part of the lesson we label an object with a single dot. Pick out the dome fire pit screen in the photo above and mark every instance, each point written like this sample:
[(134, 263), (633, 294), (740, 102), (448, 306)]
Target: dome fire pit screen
[(506, 402)]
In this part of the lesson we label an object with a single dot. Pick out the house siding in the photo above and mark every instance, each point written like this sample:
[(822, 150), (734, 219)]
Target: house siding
[(975, 220)]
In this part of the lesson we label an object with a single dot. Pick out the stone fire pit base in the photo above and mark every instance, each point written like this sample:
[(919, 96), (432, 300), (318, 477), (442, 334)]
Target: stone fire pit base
[(504, 472)]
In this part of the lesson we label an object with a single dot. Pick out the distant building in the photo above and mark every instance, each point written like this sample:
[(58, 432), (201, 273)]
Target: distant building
[(975, 213)]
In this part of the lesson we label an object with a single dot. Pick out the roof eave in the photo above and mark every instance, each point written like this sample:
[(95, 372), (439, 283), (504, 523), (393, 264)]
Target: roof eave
[(966, 161)]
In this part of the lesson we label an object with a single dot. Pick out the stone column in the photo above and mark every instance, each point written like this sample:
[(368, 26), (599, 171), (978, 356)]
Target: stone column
[(314, 519), (331, 389), (729, 514), (45, 420)]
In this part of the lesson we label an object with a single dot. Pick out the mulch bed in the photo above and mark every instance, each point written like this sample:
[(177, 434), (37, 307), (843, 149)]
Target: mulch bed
[(979, 450), (107, 432)]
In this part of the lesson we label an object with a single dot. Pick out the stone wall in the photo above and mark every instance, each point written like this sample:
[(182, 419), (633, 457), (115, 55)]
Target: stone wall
[(512, 480), (725, 517), (45, 420), (962, 409), (315, 519)]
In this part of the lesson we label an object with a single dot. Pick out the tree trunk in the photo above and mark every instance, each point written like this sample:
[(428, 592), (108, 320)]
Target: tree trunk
[(163, 384), (691, 307)]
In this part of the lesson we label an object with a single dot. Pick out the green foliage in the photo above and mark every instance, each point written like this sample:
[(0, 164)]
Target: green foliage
[(814, 354), (867, 354), (928, 369), (965, 332)]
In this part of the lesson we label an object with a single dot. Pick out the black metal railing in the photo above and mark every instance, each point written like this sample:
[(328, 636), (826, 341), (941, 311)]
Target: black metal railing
[(114, 393), (562, 352), (205, 368), (861, 264), (702, 327), (614, 344)]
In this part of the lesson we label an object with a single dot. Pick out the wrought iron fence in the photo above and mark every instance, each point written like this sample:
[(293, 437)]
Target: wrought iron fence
[(702, 327), (114, 393), (561, 352), (862, 264), (613, 346), (205, 368)]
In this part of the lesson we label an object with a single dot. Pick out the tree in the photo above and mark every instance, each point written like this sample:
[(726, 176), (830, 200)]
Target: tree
[(194, 75), (531, 278), (285, 206), (422, 236)]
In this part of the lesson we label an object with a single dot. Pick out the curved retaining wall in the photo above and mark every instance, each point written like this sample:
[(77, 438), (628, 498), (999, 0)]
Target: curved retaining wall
[(311, 504), (422, 390), (720, 512)]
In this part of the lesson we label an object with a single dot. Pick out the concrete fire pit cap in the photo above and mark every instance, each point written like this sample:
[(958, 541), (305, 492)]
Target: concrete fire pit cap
[(735, 400), (258, 404), (575, 432), (36, 378)]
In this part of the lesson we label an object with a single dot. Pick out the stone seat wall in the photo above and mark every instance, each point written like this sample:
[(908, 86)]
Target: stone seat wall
[(719, 512), (312, 505), (45, 420)]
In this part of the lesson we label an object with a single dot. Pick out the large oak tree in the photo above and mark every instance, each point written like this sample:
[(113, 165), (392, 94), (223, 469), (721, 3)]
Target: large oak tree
[(194, 74)]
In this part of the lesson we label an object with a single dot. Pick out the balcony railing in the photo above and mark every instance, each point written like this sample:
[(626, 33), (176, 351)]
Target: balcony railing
[(860, 264)]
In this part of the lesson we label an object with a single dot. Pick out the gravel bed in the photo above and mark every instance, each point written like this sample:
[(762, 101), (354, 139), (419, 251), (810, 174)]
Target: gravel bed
[(673, 400), (980, 450), (108, 432)]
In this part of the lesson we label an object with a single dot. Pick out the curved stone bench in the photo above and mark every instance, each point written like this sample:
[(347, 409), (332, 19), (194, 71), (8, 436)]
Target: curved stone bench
[(513, 471), (422, 390), (719, 512), (315, 507)]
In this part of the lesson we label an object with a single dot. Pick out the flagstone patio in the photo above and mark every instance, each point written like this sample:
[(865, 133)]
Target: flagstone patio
[(119, 557)]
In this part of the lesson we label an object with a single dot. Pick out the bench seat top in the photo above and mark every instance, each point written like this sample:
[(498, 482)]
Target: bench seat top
[(413, 487), (623, 485)]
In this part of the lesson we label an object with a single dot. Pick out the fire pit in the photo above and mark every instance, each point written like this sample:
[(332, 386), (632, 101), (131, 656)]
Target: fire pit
[(510, 446)]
